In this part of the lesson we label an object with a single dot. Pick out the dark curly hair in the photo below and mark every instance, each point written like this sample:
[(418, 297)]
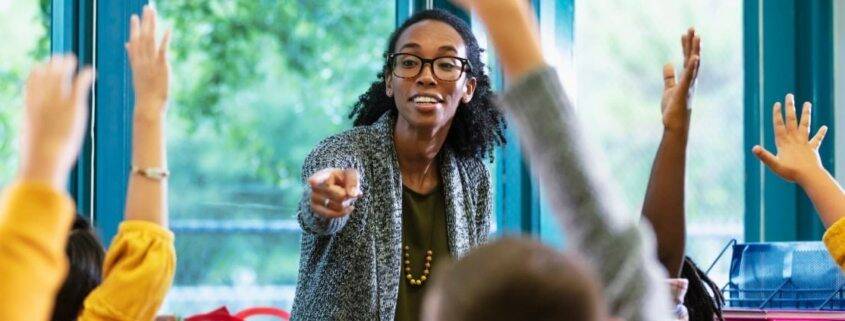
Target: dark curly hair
[(85, 254), (478, 126)]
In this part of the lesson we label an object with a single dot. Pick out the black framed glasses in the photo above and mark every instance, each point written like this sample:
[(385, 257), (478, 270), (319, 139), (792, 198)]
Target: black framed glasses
[(447, 68)]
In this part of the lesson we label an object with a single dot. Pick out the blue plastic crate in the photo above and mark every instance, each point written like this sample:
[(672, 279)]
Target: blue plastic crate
[(784, 275)]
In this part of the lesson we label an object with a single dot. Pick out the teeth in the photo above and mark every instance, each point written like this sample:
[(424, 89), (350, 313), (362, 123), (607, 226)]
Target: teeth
[(423, 99)]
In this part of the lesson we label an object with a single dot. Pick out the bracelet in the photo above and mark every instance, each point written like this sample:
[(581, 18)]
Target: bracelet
[(154, 173)]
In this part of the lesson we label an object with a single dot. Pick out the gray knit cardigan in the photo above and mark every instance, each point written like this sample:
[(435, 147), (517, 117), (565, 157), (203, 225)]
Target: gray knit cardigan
[(350, 267)]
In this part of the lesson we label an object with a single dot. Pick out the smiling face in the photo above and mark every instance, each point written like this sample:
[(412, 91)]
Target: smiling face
[(425, 101)]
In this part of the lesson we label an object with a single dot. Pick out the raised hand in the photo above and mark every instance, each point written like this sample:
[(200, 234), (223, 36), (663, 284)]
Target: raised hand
[(54, 120), (677, 97), (150, 68), (334, 191), (797, 154)]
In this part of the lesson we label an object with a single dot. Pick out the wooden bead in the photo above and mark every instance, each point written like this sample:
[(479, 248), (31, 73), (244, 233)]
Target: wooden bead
[(423, 278), (426, 272), (408, 269), (428, 265), (409, 277), (407, 248), (429, 252), (407, 262)]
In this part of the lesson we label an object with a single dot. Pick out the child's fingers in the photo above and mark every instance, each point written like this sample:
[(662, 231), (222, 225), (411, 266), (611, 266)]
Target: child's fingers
[(689, 73), (791, 120), (804, 125), (816, 142), (766, 157), (668, 76), (777, 121), (165, 44), (134, 28), (82, 85), (696, 44)]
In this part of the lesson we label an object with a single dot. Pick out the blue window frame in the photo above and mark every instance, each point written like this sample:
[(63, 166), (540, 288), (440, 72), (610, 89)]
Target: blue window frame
[(788, 48), (71, 32)]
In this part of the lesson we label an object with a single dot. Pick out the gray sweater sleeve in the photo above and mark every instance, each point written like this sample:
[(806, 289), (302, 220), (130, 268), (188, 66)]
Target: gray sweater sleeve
[(621, 249), (334, 152)]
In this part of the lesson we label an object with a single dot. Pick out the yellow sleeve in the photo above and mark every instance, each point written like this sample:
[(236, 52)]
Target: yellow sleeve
[(138, 272), (35, 220), (834, 239)]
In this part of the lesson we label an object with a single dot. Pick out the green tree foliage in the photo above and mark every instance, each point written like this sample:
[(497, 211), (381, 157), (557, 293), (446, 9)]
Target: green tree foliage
[(257, 84), (23, 29)]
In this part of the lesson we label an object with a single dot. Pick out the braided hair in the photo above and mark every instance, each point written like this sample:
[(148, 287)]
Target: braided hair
[(704, 300)]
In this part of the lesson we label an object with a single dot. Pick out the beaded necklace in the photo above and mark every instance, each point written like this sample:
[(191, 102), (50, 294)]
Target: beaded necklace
[(429, 258)]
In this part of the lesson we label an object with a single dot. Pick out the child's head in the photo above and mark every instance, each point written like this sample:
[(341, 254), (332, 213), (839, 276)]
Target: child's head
[(85, 255), (514, 279), (704, 300)]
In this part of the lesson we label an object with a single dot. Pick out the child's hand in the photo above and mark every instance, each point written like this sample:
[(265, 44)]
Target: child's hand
[(797, 155), (150, 69), (677, 97), (54, 120)]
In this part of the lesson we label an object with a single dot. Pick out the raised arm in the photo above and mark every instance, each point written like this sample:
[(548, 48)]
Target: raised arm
[(664, 199), (35, 212), (622, 252), (798, 160), (146, 195), (140, 264)]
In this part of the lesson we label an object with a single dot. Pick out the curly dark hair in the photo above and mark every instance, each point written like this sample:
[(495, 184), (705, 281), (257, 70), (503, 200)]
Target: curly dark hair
[(478, 126)]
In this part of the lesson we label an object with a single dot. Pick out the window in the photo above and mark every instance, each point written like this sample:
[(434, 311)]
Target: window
[(839, 83), (25, 24), (619, 86), (257, 84)]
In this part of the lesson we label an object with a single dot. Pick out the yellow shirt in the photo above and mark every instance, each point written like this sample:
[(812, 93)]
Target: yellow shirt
[(834, 239), (35, 221), (138, 272)]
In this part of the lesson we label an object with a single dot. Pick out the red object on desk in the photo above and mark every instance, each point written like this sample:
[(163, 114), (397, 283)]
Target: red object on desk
[(222, 314)]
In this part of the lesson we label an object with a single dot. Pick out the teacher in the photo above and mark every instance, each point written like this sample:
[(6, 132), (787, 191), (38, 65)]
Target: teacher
[(406, 188)]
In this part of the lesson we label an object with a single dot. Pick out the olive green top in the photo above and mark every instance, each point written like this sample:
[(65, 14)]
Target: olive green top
[(423, 229)]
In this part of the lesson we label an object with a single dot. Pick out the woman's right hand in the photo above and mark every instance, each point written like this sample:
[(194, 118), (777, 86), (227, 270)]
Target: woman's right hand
[(334, 192)]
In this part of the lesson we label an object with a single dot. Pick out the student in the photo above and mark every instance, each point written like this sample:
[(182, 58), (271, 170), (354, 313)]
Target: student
[(703, 299), (85, 256), (515, 279), (623, 252), (141, 260), (798, 161), (35, 213)]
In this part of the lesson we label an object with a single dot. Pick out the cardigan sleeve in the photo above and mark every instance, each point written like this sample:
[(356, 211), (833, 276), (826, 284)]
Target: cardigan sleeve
[(579, 193), (334, 152)]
